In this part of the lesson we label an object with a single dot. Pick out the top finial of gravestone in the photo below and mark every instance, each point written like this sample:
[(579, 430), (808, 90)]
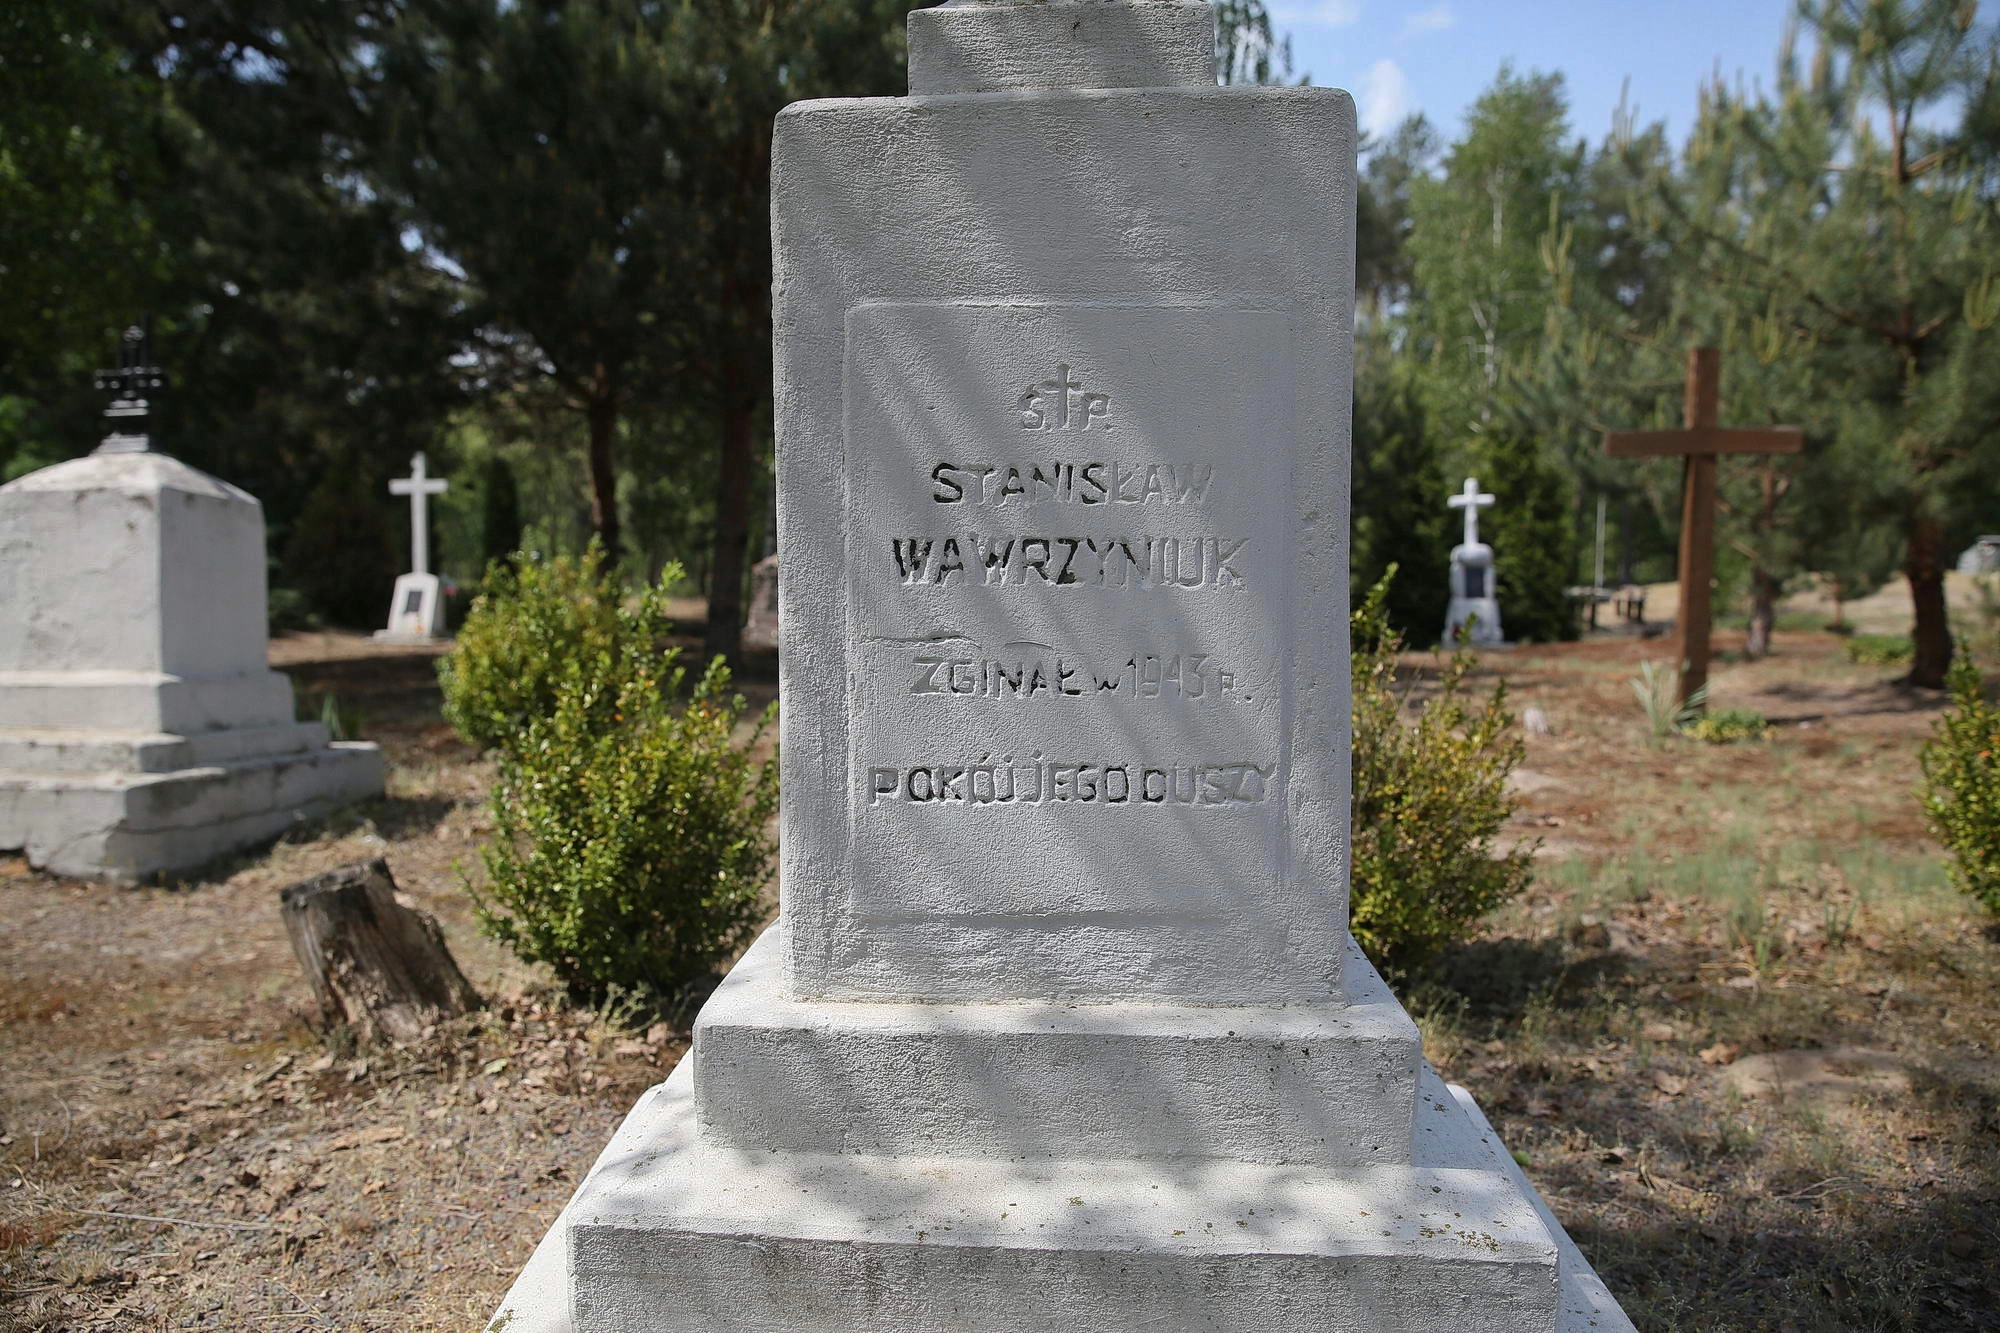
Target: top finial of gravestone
[(130, 387), (1016, 46)]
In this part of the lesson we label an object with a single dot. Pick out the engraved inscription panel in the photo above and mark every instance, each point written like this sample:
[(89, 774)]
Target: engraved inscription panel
[(1068, 578)]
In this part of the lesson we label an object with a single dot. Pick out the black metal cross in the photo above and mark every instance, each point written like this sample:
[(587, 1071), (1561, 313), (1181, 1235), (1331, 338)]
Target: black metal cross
[(129, 387)]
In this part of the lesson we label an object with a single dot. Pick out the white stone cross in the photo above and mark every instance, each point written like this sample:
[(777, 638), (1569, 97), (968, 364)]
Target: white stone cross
[(1471, 500), (420, 486)]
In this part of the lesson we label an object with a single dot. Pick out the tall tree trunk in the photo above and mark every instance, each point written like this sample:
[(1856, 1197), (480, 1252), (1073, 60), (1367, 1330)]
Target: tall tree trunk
[(732, 524), (602, 414), (1764, 585), (1931, 635), (1763, 613)]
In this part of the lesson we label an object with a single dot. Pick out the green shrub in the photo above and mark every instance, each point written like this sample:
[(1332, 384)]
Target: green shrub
[(538, 622), (1962, 785), (1725, 725), (1430, 795), (1878, 649), (632, 842)]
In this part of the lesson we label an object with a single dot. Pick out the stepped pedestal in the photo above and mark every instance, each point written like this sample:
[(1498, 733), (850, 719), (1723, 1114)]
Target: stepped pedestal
[(140, 727)]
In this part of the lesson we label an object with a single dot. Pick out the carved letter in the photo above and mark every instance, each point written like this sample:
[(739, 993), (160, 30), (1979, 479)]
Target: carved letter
[(1038, 563), (1226, 551), (1096, 482), (1072, 543), (950, 562), (912, 558), (939, 475), (927, 683), (1032, 416)]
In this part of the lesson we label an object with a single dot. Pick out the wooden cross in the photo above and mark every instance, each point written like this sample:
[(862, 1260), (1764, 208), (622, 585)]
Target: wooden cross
[(1699, 444), (420, 486)]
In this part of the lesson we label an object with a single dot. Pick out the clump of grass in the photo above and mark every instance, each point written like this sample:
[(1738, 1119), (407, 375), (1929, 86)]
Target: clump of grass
[(1879, 649), (1659, 695), (1728, 725)]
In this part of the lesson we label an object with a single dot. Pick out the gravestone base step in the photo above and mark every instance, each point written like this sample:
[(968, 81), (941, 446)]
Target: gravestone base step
[(670, 1235), (1326, 1085), (128, 825)]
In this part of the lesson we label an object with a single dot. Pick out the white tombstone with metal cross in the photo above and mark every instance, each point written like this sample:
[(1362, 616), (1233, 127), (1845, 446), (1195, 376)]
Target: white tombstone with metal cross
[(1473, 615), (141, 727), (1060, 1026), (416, 610)]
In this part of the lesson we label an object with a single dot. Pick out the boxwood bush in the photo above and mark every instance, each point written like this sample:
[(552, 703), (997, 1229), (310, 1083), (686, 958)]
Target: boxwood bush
[(537, 622), (1961, 793), (632, 816), (1430, 797)]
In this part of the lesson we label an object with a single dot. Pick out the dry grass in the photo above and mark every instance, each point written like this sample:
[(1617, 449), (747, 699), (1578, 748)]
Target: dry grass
[(1701, 910), (1741, 1032), (159, 1064)]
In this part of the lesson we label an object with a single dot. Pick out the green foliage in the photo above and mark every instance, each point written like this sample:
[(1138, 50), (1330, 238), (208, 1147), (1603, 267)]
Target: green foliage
[(632, 840), (1727, 725), (1475, 240), (343, 722), (1430, 796), (1532, 531), (1878, 649), (1246, 50), (1400, 519), (1659, 691), (500, 511), (543, 626), (1962, 785)]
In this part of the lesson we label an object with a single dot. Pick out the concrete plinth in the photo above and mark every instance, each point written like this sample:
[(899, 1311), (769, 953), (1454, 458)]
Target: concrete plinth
[(1331, 1085), (666, 1235), (130, 823)]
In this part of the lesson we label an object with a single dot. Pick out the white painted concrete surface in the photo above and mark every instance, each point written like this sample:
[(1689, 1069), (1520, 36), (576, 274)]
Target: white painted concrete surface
[(141, 728), (1452, 1136)]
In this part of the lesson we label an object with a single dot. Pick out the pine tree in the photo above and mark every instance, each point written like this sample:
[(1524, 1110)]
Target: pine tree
[(1851, 222), (1400, 517), (1532, 530)]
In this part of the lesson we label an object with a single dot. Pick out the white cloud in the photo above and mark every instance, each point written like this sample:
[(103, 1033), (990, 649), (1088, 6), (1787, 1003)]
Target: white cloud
[(1317, 14), (1385, 97), (1435, 19)]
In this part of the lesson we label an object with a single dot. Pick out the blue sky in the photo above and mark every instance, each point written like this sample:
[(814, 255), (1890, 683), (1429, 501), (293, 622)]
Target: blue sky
[(1436, 56)]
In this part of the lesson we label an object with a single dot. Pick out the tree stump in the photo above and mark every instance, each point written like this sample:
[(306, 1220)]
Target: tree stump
[(373, 963)]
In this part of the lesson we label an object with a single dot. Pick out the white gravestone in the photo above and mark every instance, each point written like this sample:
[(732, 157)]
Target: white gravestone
[(416, 609), (141, 728), (1060, 1026), (1473, 615), (1981, 558), (760, 627)]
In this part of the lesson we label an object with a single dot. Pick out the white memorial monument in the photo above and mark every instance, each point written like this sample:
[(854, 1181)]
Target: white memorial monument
[(416, 611), (1981, 558), (1474, 613), (141, 728), (1060, 1026)]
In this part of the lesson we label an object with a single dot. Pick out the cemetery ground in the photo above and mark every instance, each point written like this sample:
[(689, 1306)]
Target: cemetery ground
[(1740, 1031)]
